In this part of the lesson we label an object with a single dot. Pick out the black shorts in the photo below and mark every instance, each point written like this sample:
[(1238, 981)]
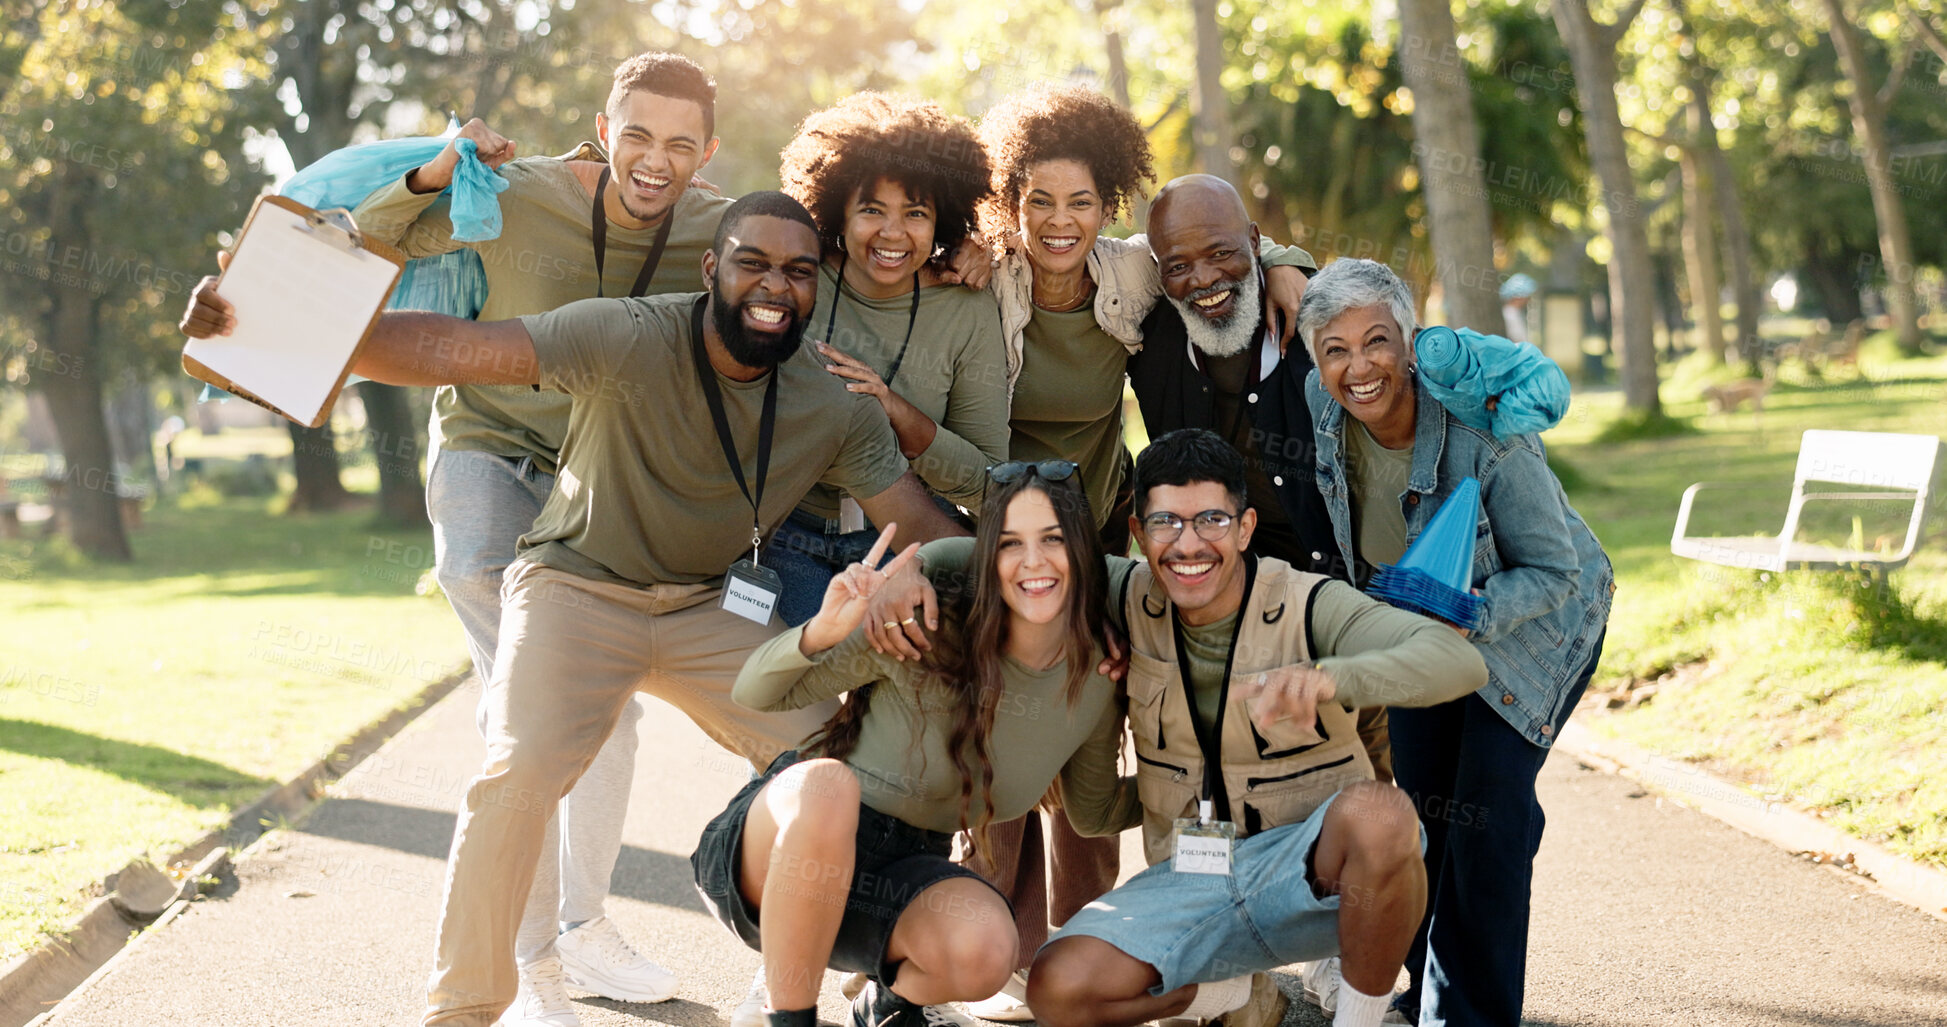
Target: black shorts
[(894, 862)]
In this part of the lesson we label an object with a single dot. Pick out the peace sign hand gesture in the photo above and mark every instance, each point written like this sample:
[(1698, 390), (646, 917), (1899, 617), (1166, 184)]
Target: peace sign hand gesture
[(850, 593)]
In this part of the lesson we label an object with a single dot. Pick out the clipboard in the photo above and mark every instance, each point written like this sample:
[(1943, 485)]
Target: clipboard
[(307, 286)]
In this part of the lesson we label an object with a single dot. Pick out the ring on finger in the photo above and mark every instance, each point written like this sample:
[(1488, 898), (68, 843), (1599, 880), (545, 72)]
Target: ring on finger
[(908, 621), (891, 624)]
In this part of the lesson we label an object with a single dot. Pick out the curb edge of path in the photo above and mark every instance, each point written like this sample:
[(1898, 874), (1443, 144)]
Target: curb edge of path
[(1895, 876), (34, 984)]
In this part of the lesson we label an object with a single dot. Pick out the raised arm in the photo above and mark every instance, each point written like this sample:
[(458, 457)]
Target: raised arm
[(406, 347), (407, 212)]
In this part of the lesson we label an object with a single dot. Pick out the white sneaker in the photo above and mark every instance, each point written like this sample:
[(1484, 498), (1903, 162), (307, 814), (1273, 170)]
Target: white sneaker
[(750, 1012), (1321, 979), (1008, 1005), (945, 1016), (595, 957), (543, 998)]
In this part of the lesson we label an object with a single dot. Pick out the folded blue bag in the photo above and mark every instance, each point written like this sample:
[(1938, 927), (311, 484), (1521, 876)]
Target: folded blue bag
[(1463, 369), (343, 178), (448, 283)]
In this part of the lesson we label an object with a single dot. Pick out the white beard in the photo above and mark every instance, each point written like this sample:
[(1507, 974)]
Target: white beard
[(1234, 334)]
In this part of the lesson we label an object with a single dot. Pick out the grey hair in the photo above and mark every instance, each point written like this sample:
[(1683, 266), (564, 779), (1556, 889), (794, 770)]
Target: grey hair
[(1349, 283)]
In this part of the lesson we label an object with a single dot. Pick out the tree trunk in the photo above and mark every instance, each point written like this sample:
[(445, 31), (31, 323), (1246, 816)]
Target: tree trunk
[(1447, 147), (90, 501), (1889, 210), (1700, 247), (1737, 253), (393, 435), (1591, 48), (1110, 14), (314, 462), (1209, 111), (1730, 210), (1830, 277)]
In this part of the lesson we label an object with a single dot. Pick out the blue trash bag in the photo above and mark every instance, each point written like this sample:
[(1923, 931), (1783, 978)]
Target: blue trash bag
[(1463, 369), (448, 283), (343, 178)]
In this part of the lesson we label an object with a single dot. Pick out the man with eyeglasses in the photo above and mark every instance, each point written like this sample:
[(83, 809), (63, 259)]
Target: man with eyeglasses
[(1268, 838)]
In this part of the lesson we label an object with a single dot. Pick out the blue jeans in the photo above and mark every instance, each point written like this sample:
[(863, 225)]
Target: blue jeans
[(806, 558), (1206, 927), (1472, 777)]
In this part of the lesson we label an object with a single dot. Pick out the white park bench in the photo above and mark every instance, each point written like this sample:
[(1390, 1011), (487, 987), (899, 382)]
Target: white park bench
[(1892, 467)]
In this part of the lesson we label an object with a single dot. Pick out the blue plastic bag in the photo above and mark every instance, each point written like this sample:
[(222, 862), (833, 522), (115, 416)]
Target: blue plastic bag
[(1463, 369), (343, 178), (449, 283)]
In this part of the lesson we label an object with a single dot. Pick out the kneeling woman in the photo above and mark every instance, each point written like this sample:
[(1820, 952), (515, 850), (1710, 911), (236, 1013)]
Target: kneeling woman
[(838, 855)]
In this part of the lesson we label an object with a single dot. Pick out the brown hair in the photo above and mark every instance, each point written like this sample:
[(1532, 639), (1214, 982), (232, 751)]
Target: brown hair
[(666, 74), (1061, 122), (841, 151), (965, 661)]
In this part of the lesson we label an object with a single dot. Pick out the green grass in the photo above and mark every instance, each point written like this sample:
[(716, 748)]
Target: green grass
[(1815, 689), (141, 704)]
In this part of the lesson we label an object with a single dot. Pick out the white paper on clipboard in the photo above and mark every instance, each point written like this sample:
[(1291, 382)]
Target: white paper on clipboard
[(304, 298)]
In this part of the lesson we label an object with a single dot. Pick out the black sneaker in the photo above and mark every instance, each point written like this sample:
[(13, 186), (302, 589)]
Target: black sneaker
[(877, 1006)]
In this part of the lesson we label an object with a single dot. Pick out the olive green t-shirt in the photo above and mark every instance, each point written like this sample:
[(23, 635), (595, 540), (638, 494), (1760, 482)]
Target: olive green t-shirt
[(954, 371), (644, 495), (543, 259), (902, 761), (1207, 647), (1377, 477), (1068, 400)]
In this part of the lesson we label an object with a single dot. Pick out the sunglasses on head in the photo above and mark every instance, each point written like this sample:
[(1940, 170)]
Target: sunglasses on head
[(1047, 470)]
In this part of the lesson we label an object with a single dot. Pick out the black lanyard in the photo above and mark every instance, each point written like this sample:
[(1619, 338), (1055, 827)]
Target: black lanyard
[(599, 226), (1210, 737), (912, 318), (766, 424)]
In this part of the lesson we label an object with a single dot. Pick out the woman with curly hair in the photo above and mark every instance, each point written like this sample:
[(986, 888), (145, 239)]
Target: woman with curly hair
[(1066, 161), (893, 183)]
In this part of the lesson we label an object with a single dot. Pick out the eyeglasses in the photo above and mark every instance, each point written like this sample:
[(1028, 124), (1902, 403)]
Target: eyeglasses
[(1164, 527), (1047, 470)]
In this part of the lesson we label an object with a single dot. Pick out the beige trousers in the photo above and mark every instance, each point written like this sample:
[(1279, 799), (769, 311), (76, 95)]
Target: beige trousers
[(572, 652)]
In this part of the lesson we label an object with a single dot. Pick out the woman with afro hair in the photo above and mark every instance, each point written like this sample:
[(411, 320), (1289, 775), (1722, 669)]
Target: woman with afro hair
[(1066, 161), (893, 184)]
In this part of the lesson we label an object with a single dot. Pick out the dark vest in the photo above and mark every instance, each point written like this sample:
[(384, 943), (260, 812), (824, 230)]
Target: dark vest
[(1174, 394)]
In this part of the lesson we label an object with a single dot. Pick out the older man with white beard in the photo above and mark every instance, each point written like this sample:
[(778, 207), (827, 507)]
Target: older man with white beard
[(1210, 361)]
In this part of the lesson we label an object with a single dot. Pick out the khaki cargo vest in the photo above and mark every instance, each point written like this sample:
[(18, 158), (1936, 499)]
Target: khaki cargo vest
[(1272, 777)]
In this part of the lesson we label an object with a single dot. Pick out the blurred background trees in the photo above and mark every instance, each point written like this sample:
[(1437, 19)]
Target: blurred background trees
[(1667, 169)]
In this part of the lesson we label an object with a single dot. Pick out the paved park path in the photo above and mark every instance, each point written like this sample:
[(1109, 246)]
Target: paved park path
[(1647, 913)]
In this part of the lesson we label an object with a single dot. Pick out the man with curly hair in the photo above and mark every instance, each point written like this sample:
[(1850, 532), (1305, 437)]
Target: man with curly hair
[(575, 227)]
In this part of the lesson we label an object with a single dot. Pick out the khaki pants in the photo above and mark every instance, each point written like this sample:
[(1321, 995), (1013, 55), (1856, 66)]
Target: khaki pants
[(572, 652)]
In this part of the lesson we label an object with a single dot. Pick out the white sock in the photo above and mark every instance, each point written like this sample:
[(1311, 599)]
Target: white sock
[(1358, 1009), (1215, 998)]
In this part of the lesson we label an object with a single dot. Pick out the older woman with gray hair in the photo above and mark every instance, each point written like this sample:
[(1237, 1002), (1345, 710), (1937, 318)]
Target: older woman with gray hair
[(1545, 587)]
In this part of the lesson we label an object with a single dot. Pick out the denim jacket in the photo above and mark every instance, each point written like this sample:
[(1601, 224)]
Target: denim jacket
[(1546, 583)]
